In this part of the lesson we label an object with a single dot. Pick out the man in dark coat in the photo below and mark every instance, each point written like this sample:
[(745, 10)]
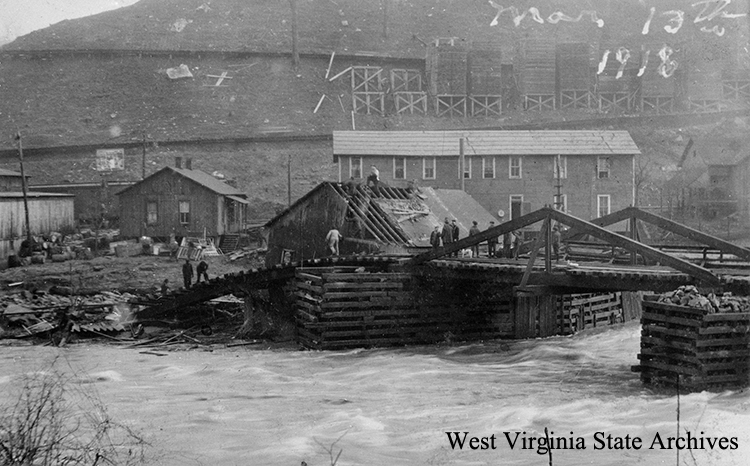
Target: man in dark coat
[(455, 234), (474, 230), (491, 242), (447, 233), (187, 273), (202, 270)]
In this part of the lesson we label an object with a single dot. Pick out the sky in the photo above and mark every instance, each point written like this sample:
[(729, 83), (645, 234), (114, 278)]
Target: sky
[(19, 17)]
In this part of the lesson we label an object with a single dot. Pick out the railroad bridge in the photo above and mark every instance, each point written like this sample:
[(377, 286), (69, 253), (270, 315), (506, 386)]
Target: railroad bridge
[(347, 301)]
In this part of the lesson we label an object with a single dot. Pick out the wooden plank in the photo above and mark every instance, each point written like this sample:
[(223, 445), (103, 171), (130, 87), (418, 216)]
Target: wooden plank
[(649, 317), (309, 287), (735, 341), (648, 363), (328, 287), (722, 317), (366, 276), (657, 329), (724, 330), (664, 343), (334, 296), (315, 279), (314, 308)]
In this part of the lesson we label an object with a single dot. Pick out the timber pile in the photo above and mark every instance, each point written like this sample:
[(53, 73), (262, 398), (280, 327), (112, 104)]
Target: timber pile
[(685, 342), (340, 307), (582, 311)]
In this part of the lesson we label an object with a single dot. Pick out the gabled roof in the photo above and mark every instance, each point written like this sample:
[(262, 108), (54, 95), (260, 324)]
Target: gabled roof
[(446, 143), (202, 178)]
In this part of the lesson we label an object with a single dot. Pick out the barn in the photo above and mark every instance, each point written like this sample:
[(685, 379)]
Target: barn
[(181, 201), (393, 221)]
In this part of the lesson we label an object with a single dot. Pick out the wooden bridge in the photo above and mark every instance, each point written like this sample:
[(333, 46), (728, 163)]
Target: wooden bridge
[(368, 300)]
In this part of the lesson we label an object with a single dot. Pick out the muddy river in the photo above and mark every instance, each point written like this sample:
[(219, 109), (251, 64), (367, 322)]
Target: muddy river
[(406, 406)]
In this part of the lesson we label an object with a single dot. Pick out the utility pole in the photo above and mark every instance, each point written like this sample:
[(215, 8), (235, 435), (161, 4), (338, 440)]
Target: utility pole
[(295, 35), (385, 19), (143, 160), (23, 188), (462, 163), (289, 180)]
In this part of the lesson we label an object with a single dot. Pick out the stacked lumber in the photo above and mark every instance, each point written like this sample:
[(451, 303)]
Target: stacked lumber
[(340, 307), (582, 311), (692, 346)]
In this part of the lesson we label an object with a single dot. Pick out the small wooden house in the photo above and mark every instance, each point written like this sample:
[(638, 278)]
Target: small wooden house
[(182, 201), (395, 220)]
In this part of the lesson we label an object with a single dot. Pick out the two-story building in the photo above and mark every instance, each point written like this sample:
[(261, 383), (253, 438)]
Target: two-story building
[(586, 173)]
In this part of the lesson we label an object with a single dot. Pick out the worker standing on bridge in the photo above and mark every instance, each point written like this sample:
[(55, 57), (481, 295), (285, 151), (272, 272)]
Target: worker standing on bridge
[(187, 273), (435, 238), (456, 234), (491, 242), (556, 241), (517, 241), (474, 230), (447, 233)]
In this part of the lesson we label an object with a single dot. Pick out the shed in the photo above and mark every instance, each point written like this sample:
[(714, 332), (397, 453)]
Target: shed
[(48, 212), (182, 201), (394, 221)]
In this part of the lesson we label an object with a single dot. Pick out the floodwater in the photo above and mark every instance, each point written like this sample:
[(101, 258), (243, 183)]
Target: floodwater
[(239, 406)]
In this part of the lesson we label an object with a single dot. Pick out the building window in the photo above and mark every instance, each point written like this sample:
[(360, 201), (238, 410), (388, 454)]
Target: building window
[(467, 167), (560, 202), (184, 212), (602, 167), (516, 205), (355, 167), (560, 165), (152, 217), (602, 203), (514, 170), (428, 168), (399, 168), (488, 167)]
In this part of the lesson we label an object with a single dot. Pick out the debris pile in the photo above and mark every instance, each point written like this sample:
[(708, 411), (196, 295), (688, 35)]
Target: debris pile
[(27, 313), (689, 296)]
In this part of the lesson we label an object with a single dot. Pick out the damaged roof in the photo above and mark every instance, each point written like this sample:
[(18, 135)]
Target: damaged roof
[(406, 217)]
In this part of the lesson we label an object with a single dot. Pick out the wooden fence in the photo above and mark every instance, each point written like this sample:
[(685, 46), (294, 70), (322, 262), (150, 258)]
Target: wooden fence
[(691, 348)]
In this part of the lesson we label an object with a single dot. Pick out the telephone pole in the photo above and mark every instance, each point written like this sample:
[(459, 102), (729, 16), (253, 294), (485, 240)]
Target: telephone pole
[(23, 188)]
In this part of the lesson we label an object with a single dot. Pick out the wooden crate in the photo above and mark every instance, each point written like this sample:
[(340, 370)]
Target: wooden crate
[(693, 349)]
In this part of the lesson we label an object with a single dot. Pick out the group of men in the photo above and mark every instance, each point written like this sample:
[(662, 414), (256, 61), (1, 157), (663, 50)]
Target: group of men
[(187, 273), (512, 241), (449, 234)]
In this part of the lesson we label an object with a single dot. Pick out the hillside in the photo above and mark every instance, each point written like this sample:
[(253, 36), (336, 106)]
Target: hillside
[(62, 98)]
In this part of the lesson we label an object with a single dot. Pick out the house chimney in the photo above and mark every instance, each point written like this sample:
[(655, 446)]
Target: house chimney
[(189, 164), (178, 162)]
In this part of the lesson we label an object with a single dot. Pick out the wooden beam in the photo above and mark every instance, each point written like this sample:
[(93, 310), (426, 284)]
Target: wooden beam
[(626, 243), (507, 227), (690, 233), (540, 239)]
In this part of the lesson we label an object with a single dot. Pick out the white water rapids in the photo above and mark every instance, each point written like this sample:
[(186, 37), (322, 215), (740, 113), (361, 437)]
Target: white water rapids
[(238, 406)]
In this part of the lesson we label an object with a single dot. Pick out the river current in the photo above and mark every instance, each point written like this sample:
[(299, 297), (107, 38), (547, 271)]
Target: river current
[(241, 406)]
